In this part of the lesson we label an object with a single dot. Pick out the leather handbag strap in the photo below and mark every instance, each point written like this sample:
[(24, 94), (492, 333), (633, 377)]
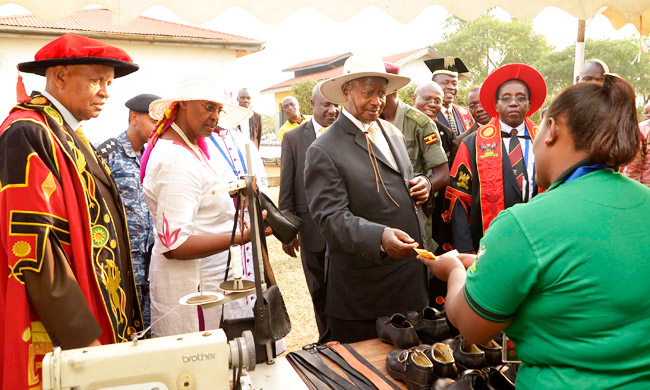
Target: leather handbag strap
[(255, 237), (310, 361), (238, 204), (363, 366)]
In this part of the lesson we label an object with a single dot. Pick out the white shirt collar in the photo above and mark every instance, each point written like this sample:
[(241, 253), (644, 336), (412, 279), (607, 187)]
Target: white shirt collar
[(521, 129), (67, 115), (360, 125)]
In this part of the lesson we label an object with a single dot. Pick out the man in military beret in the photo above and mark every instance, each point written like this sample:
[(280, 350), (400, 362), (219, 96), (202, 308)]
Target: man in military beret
[(423, 144), (65, 265), (122, 155)]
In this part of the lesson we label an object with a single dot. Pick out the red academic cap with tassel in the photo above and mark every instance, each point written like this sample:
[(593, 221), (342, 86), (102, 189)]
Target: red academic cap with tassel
[(73, 49)]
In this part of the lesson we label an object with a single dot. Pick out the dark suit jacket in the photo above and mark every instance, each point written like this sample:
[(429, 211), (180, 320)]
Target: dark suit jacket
[(459, 121), (364, 283), (447, 139), (292, 184), (255, 125)]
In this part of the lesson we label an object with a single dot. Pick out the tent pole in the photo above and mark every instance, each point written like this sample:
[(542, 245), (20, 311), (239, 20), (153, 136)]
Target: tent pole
[(580, 49)]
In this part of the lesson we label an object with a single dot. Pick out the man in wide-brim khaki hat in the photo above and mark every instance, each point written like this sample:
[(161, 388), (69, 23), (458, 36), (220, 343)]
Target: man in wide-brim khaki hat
[(365, 198)]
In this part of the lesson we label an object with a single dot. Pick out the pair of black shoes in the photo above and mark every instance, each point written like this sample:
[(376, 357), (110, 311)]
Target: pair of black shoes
[(429, 326), (488, 378), (475, 356), (419, 367)]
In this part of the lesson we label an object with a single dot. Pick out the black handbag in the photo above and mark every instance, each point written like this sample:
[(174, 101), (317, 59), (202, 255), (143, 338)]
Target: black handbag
[(285, 224)]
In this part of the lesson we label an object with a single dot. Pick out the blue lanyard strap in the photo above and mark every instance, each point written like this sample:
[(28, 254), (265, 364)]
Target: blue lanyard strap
[(225, 156)]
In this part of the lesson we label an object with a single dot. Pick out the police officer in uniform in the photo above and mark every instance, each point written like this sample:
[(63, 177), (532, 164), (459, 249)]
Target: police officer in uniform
[(122, 155)]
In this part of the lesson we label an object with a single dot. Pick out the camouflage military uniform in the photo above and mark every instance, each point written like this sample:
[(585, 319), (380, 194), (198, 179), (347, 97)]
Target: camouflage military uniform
[(424, 147), (125, 169)]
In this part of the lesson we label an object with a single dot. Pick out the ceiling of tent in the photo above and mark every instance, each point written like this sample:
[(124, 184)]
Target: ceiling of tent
[(619, 12)]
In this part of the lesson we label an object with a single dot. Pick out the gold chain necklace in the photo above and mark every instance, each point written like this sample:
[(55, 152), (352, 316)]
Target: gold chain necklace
[(192, 146)]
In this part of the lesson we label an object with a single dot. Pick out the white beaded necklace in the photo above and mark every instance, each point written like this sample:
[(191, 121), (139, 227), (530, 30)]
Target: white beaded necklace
[(192, 146)]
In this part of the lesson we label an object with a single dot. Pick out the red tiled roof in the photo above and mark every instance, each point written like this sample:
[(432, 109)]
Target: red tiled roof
[(331, 72), (397, 57), (316, 62), (100, 20), (326, 74)]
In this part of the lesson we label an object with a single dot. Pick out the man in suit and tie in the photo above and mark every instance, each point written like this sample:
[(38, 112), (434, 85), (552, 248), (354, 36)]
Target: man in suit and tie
[(252, 128), (365, 198), (495, 166), (446, 72), (311, 242)]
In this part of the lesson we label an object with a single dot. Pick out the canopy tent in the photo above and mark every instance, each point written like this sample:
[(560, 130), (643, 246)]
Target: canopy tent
[(274, 11), (619, 12)]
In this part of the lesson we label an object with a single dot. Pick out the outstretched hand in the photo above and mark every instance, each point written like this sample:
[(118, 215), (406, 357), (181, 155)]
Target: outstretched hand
[(397, 243), (446, 263)]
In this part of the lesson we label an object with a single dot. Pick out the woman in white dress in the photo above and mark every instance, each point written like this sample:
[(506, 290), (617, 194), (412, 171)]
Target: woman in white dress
[(192, 218)]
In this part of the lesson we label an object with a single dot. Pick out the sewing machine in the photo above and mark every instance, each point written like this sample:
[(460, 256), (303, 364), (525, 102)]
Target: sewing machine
[(191, 361)]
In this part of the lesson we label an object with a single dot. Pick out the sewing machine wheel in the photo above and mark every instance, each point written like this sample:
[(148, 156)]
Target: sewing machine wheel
[(245, 344)]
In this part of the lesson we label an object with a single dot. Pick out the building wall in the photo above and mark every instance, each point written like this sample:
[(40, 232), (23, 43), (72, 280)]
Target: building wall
[(161, 66), (417, 71)]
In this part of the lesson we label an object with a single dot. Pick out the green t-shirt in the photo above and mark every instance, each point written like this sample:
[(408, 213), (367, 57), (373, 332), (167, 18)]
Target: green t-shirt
[(571, 269)]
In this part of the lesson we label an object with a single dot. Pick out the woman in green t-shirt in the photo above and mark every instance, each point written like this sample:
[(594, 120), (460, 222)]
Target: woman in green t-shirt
[(567, 275)]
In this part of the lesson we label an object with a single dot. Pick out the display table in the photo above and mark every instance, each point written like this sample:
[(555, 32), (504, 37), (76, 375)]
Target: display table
[(373, 351)]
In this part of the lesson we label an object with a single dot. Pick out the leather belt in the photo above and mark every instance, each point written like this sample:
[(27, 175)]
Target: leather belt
[(312, 365), (363, 374), (361, 365)]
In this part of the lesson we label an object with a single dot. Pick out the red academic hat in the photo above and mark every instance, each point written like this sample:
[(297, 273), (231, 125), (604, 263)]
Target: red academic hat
[(72, 49), (392, 68), (525, 73)]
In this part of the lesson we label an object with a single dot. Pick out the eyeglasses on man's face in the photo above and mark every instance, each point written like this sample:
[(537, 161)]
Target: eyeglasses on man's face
[(519, 99)]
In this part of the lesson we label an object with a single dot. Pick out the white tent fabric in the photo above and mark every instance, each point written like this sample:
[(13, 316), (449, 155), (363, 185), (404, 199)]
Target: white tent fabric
[(274, 11)]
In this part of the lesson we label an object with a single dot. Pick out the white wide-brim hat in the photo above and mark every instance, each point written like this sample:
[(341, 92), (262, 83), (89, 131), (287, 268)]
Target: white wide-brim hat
[(203, 87), (358, 66)]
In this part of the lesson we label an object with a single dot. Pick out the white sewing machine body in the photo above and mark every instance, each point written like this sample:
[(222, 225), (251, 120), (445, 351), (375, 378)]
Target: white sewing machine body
[(187, 361)]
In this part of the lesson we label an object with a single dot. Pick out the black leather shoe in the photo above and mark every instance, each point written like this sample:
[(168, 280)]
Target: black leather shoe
[(412, 367), (398, 331), (497, 381), (492, 353), (442, 357), (430, 325), (469, 380), (467, 355)]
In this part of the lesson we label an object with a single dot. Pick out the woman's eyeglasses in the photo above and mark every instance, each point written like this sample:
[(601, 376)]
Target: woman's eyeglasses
[(212, 108)]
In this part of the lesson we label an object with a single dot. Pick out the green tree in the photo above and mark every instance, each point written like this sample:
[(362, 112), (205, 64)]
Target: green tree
[(406, 93), (268, 124), (302, 91), (618, 54), (488, 43)]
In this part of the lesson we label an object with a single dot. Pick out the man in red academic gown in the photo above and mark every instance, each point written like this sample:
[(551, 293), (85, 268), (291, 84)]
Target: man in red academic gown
[(65, 261)]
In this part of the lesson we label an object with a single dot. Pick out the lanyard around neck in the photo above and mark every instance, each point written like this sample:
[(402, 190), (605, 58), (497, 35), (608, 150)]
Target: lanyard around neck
[(227, 157)]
